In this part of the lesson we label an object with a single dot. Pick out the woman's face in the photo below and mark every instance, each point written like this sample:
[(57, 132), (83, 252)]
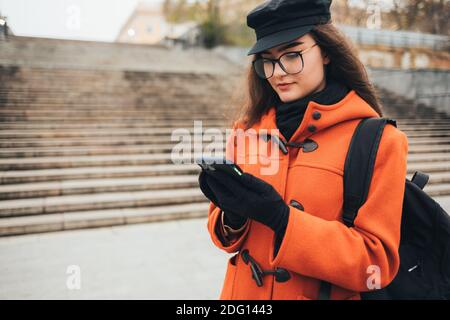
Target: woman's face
[(310, 80)]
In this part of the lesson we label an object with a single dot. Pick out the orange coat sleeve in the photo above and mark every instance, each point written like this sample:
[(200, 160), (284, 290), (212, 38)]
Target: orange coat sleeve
[(214, 225), (331, 251)]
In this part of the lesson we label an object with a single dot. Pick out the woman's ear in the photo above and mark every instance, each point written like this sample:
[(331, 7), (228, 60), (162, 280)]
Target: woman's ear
[(326, 59)]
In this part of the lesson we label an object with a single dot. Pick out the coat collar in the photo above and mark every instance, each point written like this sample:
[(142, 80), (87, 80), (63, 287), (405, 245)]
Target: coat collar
[(352, 106)]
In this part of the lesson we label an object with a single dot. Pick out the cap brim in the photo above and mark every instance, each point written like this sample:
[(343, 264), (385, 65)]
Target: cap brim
[(277, 38)]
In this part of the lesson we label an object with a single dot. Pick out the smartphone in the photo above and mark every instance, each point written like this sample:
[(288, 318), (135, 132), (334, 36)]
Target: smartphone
[(222, 164)]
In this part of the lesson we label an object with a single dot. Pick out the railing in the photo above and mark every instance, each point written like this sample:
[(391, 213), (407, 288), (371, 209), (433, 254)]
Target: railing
[(359, 35), (403, 39)]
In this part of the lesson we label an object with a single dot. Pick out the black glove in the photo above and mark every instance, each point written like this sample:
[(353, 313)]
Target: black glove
[(250, 197), (231, 219)]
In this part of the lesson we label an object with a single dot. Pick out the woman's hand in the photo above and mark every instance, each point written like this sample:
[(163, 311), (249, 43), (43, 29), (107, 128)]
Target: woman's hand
[(249, 197), (231, 219)]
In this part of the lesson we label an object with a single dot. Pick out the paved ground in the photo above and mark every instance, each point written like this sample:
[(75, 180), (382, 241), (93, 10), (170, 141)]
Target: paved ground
[(169, 260)]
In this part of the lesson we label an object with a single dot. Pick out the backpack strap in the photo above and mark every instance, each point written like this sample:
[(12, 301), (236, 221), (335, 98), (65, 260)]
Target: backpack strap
[(420, 179), (359, 164), (358, 169)]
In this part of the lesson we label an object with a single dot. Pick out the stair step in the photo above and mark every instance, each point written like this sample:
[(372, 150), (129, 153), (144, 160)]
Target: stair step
[(438, 166), (149, 120), (9, 164), (89, 142), (160, 139), (82, 96), (431, 127), (103, 150), (405, 110), (419, 134), (428, 141), (122, 131), (143, 159), (97, 201), (429, 149), (434, 190), (22, 176), (115, 88), (80, 161), (118, 124), (437, 119), (148, 148), (421, 157), (105, 110), (435, 178), (100, 218), (409, 121), (89, 131), (90, 186), (144, 100)]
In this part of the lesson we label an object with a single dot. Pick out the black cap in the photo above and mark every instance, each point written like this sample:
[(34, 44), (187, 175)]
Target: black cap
[(280, 21)]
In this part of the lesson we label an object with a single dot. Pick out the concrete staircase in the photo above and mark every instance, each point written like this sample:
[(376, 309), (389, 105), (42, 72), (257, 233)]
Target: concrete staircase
[(54, 53), (90, 148), (428, 134), (84, 147)]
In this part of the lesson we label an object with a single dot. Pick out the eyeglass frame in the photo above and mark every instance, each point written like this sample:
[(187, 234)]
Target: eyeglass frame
[(301, 52)]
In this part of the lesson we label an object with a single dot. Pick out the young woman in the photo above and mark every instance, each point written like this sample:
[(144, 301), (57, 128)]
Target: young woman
[(286, 225)]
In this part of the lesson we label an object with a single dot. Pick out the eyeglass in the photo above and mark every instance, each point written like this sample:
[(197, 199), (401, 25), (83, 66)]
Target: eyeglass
[(291, 62)]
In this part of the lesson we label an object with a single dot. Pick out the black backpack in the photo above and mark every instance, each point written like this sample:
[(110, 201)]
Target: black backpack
[(424, 250)]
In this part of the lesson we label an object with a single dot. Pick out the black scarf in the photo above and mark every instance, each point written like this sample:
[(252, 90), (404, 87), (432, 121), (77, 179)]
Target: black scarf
[(289, 115)]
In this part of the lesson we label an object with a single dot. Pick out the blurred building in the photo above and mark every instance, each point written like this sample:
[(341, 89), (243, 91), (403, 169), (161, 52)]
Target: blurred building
[(147, 25), (5, 30)]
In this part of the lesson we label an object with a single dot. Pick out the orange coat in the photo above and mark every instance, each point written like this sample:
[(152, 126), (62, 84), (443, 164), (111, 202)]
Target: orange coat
[(317, 245)]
